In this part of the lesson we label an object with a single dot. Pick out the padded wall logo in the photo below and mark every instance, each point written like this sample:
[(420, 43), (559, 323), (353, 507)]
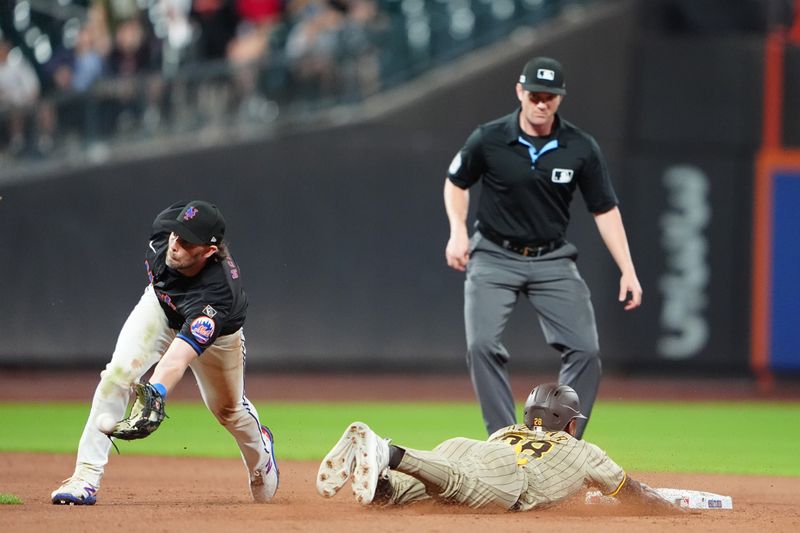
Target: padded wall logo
[(190, 213), (202, 329), (561, 175)]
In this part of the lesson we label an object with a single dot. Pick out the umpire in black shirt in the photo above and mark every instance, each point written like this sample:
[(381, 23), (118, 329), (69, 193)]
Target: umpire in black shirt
[(530, 163)]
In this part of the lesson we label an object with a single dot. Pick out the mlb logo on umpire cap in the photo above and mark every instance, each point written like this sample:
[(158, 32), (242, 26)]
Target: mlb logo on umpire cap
[(543, 75)]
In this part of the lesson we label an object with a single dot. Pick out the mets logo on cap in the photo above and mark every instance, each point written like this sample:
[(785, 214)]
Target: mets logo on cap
[(190, 213), (203, 329)]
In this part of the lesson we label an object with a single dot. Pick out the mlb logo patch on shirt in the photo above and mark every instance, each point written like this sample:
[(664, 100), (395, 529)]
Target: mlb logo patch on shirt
[(561, 175)]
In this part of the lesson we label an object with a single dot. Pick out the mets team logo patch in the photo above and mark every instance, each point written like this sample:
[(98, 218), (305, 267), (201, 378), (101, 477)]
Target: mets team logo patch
[(203, 329), (190, 213)]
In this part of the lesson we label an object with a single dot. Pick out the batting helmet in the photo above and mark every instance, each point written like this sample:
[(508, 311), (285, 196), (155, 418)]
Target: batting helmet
[(552, 407)]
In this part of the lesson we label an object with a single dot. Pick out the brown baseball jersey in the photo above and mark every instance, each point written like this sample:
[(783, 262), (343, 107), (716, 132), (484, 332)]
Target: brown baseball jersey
[(516, 468)]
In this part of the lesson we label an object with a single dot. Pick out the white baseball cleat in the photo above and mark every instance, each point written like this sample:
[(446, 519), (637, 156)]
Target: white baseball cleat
[(74, 491), (264, 479), (372, 460), (336, 468)]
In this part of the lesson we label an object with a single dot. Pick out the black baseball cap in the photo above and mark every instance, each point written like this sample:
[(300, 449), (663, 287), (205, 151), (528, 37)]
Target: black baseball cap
[(543, 75), (199, 222)]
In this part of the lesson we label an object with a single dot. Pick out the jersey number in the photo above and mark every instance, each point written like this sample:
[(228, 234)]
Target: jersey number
[(526, 448)]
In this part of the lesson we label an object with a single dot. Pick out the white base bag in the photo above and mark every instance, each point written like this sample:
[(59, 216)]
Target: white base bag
[(685, 498)]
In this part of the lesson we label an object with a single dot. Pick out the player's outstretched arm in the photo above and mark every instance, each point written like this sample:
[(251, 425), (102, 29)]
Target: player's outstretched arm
[(635, 492), (173, 363)]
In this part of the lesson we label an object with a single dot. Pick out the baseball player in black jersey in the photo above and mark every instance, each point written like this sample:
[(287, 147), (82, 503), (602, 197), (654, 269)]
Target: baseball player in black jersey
[(190, 315), (529, 164), (518, 468)]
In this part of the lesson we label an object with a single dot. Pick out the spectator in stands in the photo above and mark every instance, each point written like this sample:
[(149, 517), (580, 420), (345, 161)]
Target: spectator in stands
[(177, 34), (134, 51), (312, 47), (67, 76), (88, 61), (19, 91), (257, 18), (333, 48), (136, 88), (364, 29), (116, 12), (248, 51), (215, 22), (98, 25)]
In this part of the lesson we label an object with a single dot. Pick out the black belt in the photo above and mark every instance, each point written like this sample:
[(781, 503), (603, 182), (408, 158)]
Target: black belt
[(527, 250)]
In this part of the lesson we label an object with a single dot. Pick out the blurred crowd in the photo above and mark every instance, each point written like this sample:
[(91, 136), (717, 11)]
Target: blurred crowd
[(236, 58), (77, 73)]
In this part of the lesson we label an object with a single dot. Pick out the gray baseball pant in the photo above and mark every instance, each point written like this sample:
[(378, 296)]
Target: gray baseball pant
[(552, 284)]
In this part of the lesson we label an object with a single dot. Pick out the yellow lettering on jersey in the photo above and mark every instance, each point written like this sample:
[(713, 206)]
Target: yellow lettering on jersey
[(558, 436), (526, 448)]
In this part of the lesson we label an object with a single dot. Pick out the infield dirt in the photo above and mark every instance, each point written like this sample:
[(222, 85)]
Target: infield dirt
[(205, 495)]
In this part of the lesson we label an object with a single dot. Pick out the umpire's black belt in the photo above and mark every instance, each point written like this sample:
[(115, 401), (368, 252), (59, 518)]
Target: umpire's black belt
[(527, 250)]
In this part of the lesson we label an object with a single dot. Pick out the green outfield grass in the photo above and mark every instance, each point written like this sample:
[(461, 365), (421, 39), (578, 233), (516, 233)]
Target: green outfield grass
[(9, 499), (742, 438)]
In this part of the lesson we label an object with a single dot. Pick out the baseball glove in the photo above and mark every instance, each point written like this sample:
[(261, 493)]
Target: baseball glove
[(146, 414)]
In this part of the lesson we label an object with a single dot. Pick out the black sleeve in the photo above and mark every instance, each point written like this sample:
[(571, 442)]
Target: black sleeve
[(469, 163), (595, 181), (170, 213), (200, 330)]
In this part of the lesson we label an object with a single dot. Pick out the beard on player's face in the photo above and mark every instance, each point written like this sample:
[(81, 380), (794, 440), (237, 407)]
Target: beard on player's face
[(182, 255)]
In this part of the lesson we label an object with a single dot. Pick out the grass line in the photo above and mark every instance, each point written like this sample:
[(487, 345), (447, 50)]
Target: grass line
[(641, 436)]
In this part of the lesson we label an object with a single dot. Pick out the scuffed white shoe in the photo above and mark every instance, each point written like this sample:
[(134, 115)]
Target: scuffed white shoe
[(264, 479), (336, 468), (74, 491), (372, 460)]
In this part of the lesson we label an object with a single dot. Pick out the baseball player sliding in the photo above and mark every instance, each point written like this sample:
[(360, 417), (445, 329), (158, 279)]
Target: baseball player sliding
[(190, 315), (520, 467)]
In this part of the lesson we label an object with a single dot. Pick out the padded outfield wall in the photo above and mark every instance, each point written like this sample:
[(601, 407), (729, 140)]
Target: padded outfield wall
[(340, 232)]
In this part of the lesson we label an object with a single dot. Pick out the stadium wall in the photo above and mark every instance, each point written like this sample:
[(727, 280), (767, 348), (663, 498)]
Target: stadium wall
[(340, 232)]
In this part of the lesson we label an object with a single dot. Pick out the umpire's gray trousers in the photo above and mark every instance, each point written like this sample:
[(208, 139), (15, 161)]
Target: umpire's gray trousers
[(551, 283)]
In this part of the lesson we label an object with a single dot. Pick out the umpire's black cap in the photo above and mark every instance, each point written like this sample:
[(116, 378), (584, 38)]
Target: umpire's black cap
[(543, 75), (199, 222)]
